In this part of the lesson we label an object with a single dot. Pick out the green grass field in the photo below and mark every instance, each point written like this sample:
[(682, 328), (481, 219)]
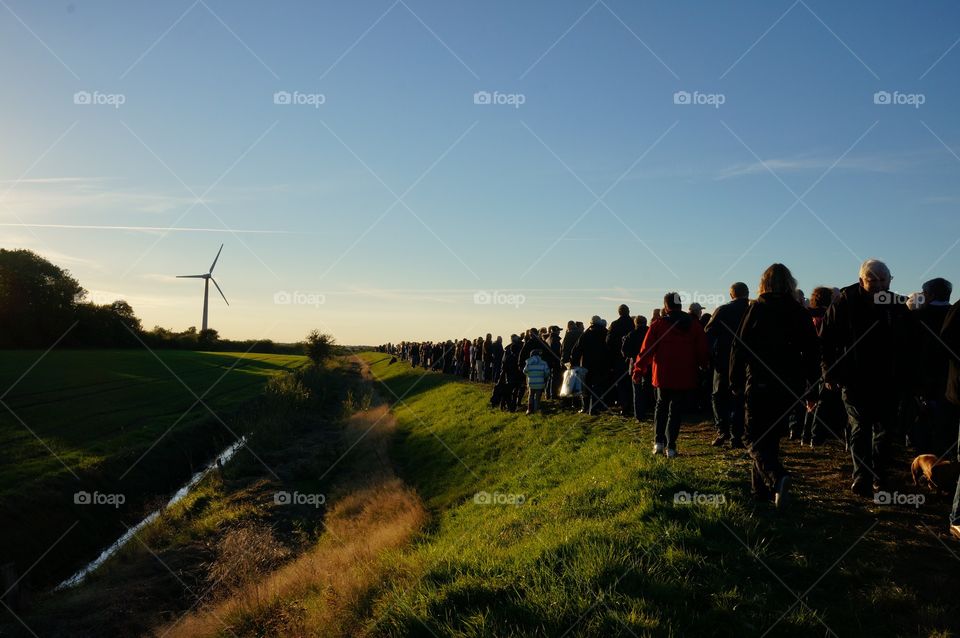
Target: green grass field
[(87, 405), (600, 547)]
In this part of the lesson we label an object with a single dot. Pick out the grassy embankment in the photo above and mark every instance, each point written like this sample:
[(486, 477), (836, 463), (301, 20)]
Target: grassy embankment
[(600, 547)]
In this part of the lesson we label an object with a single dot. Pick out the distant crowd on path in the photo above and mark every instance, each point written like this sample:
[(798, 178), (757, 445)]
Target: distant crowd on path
[(859, 364)]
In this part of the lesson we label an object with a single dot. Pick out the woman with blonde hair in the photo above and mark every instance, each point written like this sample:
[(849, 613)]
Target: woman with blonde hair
[(774, 364)]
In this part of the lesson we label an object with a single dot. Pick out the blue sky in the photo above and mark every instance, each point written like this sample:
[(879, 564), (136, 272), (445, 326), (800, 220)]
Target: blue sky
[(387, 211)]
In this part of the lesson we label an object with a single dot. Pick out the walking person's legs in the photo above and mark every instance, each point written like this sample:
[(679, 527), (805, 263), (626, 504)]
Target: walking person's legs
[(720, 401), (676, 401), (660, 422), (638, 401)]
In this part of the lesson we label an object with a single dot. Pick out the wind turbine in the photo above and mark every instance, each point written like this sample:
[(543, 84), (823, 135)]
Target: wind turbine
[(207, 278)]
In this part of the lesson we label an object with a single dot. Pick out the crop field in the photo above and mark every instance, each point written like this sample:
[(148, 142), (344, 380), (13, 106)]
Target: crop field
[(69, 410)]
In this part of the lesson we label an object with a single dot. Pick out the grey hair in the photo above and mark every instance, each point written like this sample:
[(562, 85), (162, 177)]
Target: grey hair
[(874, 267)]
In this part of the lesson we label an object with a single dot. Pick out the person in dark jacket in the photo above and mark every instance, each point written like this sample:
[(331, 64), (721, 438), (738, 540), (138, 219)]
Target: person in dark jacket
[(570, 338), (935, 426), (675, 350), (864, 340), (496, 358), (486, 358), (511, 378), (950, 334), (829, 414), (629, 350), (619, 390), (552, 357), (591, 353), (721, 331), (774, 363)]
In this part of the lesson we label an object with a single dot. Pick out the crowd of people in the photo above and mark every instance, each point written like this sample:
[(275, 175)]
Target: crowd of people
[(859, 364)]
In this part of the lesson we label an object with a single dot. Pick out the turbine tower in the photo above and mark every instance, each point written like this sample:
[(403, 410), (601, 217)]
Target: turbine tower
[(207, 278)]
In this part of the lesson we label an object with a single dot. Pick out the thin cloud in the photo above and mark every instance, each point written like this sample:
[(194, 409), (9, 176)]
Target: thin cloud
[(803, 164)]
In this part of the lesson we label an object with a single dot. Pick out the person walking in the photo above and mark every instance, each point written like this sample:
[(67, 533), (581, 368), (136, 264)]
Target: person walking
[(619, 372), (590, 352), (774, 365), (951, 339), (675, 349), (721, 330), (537, 372), (629, 350), (864, 339)]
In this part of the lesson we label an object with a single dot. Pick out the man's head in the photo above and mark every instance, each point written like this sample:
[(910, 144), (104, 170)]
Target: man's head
[(695, 309), (938, 289), (623, 310), (875, 276), (739, 290), (821, 297), (571, 325), (640, 321), (595, 320), (671, 301)]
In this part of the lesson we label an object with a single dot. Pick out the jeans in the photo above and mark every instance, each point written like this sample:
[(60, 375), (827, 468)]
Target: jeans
[(640, 399), (728, 414), (870, 424), (667, 416), (533, 400), (623, 387)]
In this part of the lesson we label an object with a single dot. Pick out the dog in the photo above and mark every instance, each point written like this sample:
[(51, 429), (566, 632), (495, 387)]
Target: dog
[(940, 475)]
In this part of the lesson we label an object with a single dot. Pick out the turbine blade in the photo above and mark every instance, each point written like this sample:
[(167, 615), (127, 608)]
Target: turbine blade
[(216, 258), (220, 291), (190, 276)]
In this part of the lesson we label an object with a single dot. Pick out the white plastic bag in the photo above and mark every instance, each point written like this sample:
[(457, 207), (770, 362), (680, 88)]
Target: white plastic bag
[(573, 382)]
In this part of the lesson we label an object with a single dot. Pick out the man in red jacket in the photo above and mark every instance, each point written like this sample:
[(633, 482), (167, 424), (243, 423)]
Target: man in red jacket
[(676, 348)]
